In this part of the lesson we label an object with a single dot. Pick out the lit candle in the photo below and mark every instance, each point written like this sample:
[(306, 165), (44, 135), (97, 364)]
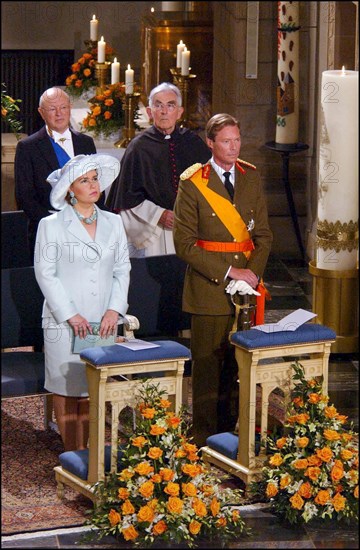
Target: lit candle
[(338, 171), (94, 24), (101, 50), (129, 80), (179, 49), (185, 61), (115, 71), (287, 119)]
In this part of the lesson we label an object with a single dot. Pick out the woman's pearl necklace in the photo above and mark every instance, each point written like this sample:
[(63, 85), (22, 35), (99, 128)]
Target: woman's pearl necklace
[(88, 220)]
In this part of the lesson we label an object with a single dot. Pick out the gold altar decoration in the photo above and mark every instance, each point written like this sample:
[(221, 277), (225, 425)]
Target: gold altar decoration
[(182, 82), (337, 236), (130, 104), (336, 302), (102, 75)]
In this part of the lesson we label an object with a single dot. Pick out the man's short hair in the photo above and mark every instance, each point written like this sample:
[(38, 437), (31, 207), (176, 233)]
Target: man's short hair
[(217, 123), (165, 87)]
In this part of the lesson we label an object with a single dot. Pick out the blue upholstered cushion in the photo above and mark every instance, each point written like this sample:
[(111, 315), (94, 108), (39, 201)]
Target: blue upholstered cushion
[(225, 443), (22, 373), (309, 332), (111, 355), (77, 462)]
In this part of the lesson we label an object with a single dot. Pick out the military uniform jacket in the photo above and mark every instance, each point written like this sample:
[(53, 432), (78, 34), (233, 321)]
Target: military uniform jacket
[(205, 283)]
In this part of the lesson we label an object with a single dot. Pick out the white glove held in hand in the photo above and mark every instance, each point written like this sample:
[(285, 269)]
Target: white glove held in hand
[(241, 287)]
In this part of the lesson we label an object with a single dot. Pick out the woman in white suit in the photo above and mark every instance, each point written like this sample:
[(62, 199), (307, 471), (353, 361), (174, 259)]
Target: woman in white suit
[(83, 269)]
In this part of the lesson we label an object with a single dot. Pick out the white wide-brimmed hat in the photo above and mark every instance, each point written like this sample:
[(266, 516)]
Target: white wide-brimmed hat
[(107, 168)]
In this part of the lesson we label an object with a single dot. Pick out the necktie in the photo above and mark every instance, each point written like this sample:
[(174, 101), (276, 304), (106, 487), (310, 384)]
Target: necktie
[(228, 185)]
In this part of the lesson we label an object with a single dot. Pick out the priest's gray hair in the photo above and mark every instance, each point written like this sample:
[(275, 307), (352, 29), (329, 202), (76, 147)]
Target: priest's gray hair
[(165, 87)]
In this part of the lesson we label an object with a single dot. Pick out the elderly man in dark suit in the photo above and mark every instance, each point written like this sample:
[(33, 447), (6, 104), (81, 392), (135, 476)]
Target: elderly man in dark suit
[(43, 152), (221, 230)]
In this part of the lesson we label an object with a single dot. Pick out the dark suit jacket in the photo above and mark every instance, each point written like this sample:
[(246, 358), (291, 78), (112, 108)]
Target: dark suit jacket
[(204, 287), (35, 159)]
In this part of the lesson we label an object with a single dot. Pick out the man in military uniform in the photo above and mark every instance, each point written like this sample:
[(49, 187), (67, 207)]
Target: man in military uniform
[(221, 231)]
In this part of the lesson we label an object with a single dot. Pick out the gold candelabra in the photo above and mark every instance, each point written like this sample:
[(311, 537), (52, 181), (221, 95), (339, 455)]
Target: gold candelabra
[(102, 75), (182, 82), (130, 103)]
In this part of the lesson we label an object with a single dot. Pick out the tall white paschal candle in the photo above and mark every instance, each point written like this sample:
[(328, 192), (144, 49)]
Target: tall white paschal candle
[(185, 61), (129, 80), (101, 50), (287, 92), (338, 210), (179, 49), (94, 24), (115, 71)]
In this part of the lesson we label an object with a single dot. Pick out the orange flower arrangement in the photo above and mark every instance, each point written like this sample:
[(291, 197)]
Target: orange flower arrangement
[(312, 472), (163, 491), (83, 72), (106, 111)]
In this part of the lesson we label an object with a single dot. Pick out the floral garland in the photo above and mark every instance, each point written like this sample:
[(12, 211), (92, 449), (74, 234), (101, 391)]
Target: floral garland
[(313, 470), (10, 111), (163, 492)]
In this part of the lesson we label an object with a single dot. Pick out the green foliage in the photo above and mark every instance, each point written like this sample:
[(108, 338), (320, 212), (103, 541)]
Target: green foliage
[(10, 111)]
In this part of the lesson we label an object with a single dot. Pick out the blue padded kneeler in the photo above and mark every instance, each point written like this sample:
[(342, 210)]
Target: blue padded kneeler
[(112, 355), (307, 333)]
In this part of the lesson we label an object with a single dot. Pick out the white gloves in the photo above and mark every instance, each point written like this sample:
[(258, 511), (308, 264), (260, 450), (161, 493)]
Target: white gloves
[(241, 287)]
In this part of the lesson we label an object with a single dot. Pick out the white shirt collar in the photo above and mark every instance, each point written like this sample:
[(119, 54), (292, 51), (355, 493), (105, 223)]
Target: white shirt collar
[(220, 171), (56, 135)]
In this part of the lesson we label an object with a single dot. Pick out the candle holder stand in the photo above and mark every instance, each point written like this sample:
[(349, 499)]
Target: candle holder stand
[(102, 75), (182, 82), (90, 45), (130, 103), (286, 150)]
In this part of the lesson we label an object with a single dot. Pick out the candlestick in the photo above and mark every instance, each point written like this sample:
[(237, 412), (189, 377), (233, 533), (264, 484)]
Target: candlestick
[(337, 241), (115, 71), (185, 61), (287, 120), (130, 103), (182, 82), (179, 49), (101, 50), (102, 73), (129, 80), (94, 24)]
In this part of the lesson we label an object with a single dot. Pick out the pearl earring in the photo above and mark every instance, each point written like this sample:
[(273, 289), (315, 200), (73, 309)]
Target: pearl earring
[(73, 199)]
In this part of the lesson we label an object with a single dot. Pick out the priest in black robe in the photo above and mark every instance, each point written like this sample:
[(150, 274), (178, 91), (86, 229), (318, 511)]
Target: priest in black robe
[(144, 192)]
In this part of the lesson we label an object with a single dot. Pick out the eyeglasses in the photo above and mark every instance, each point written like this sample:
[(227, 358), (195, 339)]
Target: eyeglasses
[(52, 110), (158, 106)]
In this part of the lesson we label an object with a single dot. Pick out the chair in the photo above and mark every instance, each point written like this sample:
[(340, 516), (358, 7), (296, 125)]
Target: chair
[(261, 360), (113, 375), (22, 372), (14, 240)]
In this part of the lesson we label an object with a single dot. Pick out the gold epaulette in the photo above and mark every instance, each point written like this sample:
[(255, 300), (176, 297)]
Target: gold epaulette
[(248, 164), (190, 171)]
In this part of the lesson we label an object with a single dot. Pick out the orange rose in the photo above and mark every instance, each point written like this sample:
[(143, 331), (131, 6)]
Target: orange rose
[(280, 443), (146, 513), (130, 533), (180, 453), (313, 473), (339, 502), (221, 522), (189, 489), (108, 102), (302, 442), (271, 490), (312, 383), (75, 67), (156, 478), (331, 435), (125, 475), (194, 527), (146, 489), (276, 459), (153, 503), (190, 469), (78, 83), (173, 421), (322, 497), (87, 55), (190, 448), (127, 508), (325, 454), (285, 481), (87, 72), (302, 418), (172, 489), (159, 528), (139, 441), (123, 493), (215, 506), (96, 110), (165, 403), (296, 501), (337, 472), (155, 453), (330, 412), (144, 469), (314, 398), (107, 93), (92, 122), (166, 474), (148, 413), (305, 490), (342, 418), (199, 507), (314, 460), (155, 429), (298, 402), (174, 505), (356, 491), (114, 517), (207, 490), (300, 464)]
